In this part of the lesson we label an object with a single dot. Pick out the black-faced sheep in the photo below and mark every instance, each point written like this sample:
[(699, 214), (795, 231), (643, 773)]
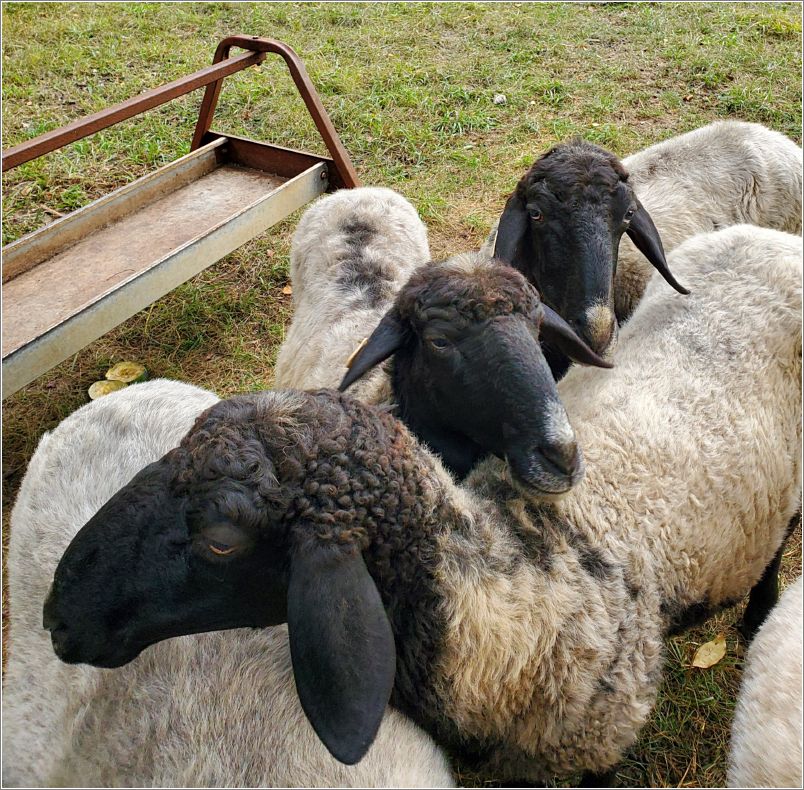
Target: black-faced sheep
[(468, 373), (564, 222), (526, 632), (211, 710)]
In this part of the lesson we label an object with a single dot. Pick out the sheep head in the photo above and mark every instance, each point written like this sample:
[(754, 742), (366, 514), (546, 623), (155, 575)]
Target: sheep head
[(261, 516), (562, 228), (469, 374)]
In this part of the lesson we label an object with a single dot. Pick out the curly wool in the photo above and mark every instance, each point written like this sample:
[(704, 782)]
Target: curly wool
[(472, 286), (150, 723)]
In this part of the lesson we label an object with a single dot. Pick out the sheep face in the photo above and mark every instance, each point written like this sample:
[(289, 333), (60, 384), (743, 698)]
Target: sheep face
[(562, 229), (152, 564), (469, 374), (260, 517)]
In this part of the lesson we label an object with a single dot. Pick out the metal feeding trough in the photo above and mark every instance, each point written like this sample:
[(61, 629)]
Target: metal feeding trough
[(68, 283)]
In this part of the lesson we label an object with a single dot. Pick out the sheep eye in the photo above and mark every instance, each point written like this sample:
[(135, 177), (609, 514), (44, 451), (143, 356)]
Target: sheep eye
[(629, 214), (536, 215), (223, 540), (221, 549), (439, 343)]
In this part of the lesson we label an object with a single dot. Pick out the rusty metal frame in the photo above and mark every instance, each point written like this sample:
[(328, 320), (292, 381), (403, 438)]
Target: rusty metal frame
[(344, 175), (292, 178), (212, 77), (63, 338)]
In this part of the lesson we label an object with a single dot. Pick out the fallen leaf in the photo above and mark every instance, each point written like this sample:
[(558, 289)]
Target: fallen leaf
[(287, 290), (269, 253), (106, 387), (127, 372), (709, 653)]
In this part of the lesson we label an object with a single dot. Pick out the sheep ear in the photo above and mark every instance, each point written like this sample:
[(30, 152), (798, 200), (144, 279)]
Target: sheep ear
[(342, 648), (383, 341), (643, 233), (559, 333), (511, 232)]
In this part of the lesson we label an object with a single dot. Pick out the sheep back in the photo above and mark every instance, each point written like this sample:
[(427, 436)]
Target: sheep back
[(351, 253), (716, 379), (725, 173)]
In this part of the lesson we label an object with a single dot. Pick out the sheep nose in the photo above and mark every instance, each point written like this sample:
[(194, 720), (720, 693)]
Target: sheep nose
[(597, 327), (564, 457)]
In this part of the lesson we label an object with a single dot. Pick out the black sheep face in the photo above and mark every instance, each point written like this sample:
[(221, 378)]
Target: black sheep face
[(261, 516), (172, 553), (481, 382), (562, 228), (469, 374), (200, 539)]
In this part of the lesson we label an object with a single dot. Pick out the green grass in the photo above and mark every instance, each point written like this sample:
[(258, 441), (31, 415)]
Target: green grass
[(410, 89)]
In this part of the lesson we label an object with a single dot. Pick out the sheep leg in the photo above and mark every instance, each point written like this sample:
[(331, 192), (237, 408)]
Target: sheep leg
[(765, 593), (603, 779)]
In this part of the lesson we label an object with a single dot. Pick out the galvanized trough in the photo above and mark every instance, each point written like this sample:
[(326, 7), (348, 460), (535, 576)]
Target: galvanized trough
[(68, 283)]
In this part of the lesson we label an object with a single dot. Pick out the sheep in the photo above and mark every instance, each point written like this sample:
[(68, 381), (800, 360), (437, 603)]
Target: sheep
[(468, 374), (206, 710), (523, 631), (564, 222), (766, 738), (352, 253)]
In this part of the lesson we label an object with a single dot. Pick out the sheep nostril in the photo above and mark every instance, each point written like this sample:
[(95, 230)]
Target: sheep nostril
[(59, 638), (50, 620), (564, 457)]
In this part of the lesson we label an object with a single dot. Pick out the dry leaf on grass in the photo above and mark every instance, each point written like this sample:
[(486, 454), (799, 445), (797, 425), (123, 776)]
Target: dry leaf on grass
[(127, 372), (106, 387), (709, 653), (287, 290)]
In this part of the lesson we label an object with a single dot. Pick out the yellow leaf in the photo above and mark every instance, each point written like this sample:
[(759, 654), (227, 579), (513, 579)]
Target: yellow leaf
[(709, 653), (127, 372), (287, 290), (101, 388)]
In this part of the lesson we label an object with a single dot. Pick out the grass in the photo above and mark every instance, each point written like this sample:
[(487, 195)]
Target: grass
[(410, 89)]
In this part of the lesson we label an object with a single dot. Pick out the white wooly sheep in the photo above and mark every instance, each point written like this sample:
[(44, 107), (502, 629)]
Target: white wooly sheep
[(766, 739), (351, 253), (526, 632), (216, 709)]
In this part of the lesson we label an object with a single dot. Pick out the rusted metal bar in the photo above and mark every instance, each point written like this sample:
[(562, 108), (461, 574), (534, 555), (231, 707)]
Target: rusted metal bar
[(344, 174), (83, 127), (285, 162)]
